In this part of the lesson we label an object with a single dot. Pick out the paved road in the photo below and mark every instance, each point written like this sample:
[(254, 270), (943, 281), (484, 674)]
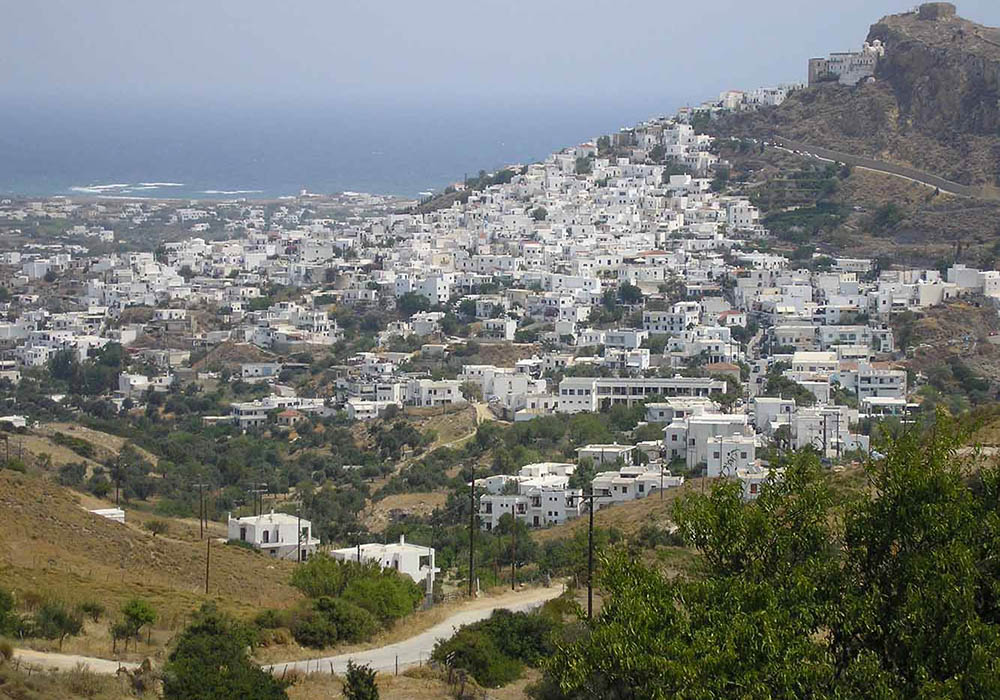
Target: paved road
[(408, 652), (417, 649), (67, 662), (886, 168)]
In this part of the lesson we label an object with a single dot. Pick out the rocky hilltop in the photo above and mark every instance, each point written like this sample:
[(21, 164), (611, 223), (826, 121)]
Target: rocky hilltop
[(934, 104), (944, 71)]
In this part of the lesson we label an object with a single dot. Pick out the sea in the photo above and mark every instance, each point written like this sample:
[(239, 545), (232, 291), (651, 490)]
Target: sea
[(222, 150), (264, 151)]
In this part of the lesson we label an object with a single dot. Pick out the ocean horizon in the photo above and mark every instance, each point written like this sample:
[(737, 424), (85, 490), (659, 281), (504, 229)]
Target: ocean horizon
[(404, 148)]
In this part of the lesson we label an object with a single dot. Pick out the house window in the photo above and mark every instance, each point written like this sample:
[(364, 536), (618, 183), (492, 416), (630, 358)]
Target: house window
[(243, 534), (753, 488), (267, 536)]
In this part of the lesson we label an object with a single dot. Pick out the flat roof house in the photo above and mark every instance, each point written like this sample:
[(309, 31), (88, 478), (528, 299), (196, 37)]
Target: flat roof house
[(281, 535)]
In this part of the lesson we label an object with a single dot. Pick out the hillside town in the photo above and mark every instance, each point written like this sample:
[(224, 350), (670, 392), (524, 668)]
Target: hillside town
[(618, 272)]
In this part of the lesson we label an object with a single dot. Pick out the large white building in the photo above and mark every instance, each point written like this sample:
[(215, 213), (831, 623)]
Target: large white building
[(280, 535), (412, 560), (538, 495)]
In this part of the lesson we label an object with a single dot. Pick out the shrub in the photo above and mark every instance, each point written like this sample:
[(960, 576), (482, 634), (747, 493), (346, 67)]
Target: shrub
[(332, 620), (271, 619), (359, 684), (157, 527), (211, 661), (476, 652), (6, 651), (353, 623), (388, 596)]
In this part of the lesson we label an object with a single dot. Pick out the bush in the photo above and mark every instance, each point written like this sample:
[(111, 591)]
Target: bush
[(157, 527), (211, 661), (271, 619), (476, 652), (359, 684), (389, 596), (332, 620)]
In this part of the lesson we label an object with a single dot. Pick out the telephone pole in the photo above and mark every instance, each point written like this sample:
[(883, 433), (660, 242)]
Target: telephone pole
[(824, 435), (257, 492), (472, 529), (590, 554), (118, 477), (208, 561), (513, 543), (357, 541)]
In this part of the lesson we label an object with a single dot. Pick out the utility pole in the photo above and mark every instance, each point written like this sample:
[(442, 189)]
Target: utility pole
[(590, 554), (202, 515), (257, 493), (824, 435), (6, 444), (357, 541), (208, 561), (836, 436), (472, 528), (118, 477), (298, 535), (513, 543)]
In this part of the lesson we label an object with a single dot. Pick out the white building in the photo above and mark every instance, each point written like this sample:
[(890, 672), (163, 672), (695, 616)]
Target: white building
[(280, 535), (632, 483), (409, 559)]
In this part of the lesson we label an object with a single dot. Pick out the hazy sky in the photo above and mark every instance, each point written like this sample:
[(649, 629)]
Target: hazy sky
[(134, 51)]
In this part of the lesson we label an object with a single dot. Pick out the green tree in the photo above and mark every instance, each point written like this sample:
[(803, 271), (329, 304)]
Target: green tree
[(629, 293), (899, 601), (388, 596), (923, 566), (471, 391), (539, 214), (138, 613), (54, 620), (411, 303), (359, 683), (211, 660)]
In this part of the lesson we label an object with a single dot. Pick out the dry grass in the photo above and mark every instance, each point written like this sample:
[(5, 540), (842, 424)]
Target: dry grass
[(627, 517), (449, 422), (53, 546), (420, 683), (18, 682), (37, 445), (106, 445), (377, 515)]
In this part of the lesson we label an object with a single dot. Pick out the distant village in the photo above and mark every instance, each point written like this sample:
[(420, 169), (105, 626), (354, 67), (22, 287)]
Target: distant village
[(620, 270)]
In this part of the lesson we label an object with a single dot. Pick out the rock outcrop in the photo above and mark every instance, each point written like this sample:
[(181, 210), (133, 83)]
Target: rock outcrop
[(944, 71)]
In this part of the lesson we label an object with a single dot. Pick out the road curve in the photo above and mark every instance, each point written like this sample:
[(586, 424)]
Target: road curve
[(407, 652), (68, 662), (417, 649)]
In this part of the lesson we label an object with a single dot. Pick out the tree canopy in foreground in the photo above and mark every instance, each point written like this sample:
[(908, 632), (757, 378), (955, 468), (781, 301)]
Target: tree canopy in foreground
[(894, 594)]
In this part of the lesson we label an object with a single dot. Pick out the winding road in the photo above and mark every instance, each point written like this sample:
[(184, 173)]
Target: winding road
[(417, 648), (408, 652)]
